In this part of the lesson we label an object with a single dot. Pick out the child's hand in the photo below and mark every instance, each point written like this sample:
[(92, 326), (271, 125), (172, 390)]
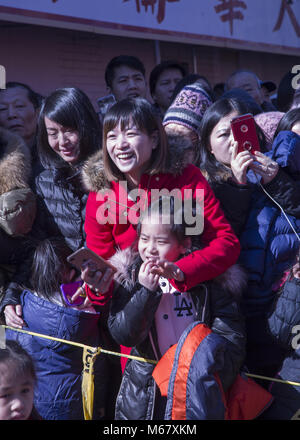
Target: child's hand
[(81, 292), (168, 270), (147, 278), (240, 163)]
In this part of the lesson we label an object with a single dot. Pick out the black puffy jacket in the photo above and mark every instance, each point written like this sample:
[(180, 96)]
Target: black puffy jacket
[(284, 325), (61, 205), (131, 324)]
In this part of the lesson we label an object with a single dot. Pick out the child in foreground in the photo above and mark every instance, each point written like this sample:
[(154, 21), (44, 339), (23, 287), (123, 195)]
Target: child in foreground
[(58, 393), (17, 382), (149, 314)]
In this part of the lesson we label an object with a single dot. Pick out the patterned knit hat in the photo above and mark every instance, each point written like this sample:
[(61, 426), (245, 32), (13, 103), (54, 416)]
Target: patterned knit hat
[(268, 122), (188, 107)]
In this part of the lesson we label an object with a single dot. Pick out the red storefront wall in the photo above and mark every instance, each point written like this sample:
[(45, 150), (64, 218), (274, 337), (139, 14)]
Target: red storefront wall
[(47, 58)]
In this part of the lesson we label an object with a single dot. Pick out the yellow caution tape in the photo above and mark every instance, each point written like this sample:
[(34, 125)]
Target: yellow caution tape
[(273, 379), (87, 386), (89, 357)]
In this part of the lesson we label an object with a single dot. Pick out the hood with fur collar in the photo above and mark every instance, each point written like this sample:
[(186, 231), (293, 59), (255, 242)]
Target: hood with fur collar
[(93, 174), (15, 162), (127, 263)]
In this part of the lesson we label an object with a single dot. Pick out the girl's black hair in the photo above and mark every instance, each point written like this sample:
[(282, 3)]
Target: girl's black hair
[(49, 267), (210, 166), (288, 120), (18, 358), (242, 95), (178, 225), (69, 107)]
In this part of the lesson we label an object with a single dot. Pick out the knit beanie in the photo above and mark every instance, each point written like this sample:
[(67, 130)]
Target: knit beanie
[(268, 123), (188, 107)]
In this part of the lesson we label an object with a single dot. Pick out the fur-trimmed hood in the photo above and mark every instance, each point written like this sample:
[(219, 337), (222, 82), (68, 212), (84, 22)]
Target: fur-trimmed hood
[(15, 162), (93, 174), (127, 262)]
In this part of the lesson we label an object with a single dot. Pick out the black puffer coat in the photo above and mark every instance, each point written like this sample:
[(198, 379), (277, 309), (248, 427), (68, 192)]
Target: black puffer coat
[(61, 205), (284, 325), (235, 201), (131, 324)]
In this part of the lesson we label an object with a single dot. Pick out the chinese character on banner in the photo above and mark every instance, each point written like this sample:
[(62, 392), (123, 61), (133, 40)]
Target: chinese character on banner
[(286, 7), (161, 7), (228, 8)]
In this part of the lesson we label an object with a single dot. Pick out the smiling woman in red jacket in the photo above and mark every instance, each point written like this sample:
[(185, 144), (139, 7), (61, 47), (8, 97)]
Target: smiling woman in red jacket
[(122, 178)]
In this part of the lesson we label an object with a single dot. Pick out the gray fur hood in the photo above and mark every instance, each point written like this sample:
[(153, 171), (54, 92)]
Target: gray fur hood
[(15, 162), (93, 173), (127, 263)]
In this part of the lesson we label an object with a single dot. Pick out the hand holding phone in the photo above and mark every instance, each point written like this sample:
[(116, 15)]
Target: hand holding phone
[(95, 270), (244, 132)]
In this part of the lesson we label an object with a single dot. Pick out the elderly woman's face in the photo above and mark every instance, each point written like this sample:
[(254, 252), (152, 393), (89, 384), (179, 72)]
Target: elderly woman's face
[(17, 113)]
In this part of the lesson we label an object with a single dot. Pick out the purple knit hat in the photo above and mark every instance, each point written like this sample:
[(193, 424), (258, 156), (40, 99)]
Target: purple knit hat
[(268, 122), (188, 107)]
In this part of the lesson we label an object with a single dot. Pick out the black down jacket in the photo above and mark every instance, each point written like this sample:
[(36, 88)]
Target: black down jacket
[(131, 323), (284, 325), (61, 205)]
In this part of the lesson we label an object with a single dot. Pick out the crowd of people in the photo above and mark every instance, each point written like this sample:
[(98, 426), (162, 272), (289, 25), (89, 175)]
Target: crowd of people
[(203, 237)]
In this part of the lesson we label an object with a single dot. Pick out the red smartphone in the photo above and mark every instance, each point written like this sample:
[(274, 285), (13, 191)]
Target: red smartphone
[(79, 257), (68, 291), (244, 132)]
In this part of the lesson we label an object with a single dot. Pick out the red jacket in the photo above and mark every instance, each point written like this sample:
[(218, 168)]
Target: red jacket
[(221, 244)]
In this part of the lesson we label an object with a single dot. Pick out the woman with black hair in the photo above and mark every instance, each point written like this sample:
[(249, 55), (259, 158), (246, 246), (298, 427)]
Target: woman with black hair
[(224, 169), (290, 121), (249, 188), (68, 134)]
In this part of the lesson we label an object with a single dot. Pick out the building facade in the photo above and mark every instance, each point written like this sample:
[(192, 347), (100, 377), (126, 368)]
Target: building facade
[(55, 43)]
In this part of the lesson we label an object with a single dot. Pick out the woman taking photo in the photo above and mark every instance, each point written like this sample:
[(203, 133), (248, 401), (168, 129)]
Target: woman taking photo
[(244, 183)]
